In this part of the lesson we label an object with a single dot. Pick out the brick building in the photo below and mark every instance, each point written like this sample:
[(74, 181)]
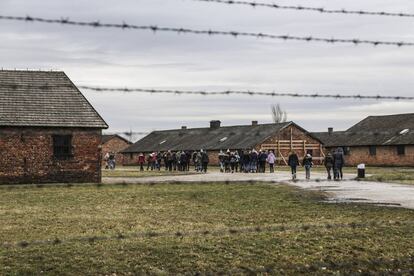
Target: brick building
[(49, 132), (376, 141), (114, 144), (281, 138)]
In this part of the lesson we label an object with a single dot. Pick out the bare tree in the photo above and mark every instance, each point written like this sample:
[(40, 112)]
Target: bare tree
[(279, 115)]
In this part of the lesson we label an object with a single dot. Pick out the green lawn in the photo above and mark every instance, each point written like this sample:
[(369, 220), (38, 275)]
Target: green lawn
[(207, 228)]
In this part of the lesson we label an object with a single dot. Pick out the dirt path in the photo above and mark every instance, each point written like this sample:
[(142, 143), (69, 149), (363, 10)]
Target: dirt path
[(343, 191)]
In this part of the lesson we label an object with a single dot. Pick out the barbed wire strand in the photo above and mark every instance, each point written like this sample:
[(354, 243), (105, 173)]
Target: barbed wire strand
[(359, 96), (248, 93), (235, 34), (209, 232), (306, 8)]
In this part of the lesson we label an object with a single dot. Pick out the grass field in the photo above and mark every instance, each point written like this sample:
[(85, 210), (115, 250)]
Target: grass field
[(190, 228)]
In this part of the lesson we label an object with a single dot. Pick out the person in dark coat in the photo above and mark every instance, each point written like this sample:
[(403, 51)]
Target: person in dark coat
[(246, 161), (339, 163), (308, 164), (169, 160), (328, 162), (188, 155), (262, 161), (253, 161), (183, 161), (159, 160), (204, 161), (293, 162), (241, 161)]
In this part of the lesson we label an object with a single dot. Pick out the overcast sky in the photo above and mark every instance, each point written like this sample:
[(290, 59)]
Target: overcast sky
[(112, 57)]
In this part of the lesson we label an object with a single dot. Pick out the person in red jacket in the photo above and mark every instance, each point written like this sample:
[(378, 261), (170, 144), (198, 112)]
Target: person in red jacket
[(141, 161)]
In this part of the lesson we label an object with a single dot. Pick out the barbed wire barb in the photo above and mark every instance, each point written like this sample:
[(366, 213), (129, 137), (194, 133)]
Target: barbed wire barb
[(209, 32), (313, 95), (312, 9)]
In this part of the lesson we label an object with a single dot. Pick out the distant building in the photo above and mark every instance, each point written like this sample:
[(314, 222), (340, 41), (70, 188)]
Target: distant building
[(376, 141), (49, 132), (114, 144), (281, 138)]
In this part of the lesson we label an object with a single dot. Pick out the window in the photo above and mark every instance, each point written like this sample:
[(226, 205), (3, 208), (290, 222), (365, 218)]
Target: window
[(372, 150), (401, 150), (62, 146)]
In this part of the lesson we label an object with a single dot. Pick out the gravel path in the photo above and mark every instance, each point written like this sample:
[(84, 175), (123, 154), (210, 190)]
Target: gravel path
[(342, 191)]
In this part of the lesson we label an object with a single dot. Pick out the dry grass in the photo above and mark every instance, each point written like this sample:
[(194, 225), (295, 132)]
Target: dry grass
[(207, 228)]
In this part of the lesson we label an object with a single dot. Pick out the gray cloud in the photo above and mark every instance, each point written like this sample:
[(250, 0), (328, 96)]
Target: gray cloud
[(142, 59)]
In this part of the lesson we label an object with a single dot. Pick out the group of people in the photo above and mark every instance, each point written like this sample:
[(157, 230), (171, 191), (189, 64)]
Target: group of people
[(247, 161), (333, 161), (175, 160)]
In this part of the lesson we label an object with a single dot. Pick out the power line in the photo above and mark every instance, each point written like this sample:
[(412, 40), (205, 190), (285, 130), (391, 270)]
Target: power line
[(305, 8), (249, 93), (235, 34)]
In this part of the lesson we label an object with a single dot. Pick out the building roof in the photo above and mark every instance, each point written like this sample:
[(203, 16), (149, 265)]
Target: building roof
[(374, 131), (226, 137), (108, 137), (44, 99), (331, 139)]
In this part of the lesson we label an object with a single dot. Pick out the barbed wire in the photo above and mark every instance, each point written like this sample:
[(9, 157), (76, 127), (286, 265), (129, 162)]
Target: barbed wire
[(306, 8), (269, 228), (235, 34), (248, 93), (360, 96)]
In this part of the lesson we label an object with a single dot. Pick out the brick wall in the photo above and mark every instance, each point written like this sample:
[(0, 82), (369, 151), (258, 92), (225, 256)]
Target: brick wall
[(385, 156), (131, 159), (115, 145), (27, 156)]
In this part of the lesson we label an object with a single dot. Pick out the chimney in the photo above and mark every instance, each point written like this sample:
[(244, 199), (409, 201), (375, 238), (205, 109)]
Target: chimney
[(184, 127), (330, 130), (215, 124), (255, 123)]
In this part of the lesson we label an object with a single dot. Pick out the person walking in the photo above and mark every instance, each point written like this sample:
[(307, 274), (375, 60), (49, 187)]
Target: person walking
[(204, 161), (271, 159), (226, 159), (233, 161), (246, 161), (141, 161), (339, 163), (106, 159), (169, 160), (159, 160), (307, 163), (328, 162), (262, 161), (253, 161), (237, 156), (221, 160), (293, 162)]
